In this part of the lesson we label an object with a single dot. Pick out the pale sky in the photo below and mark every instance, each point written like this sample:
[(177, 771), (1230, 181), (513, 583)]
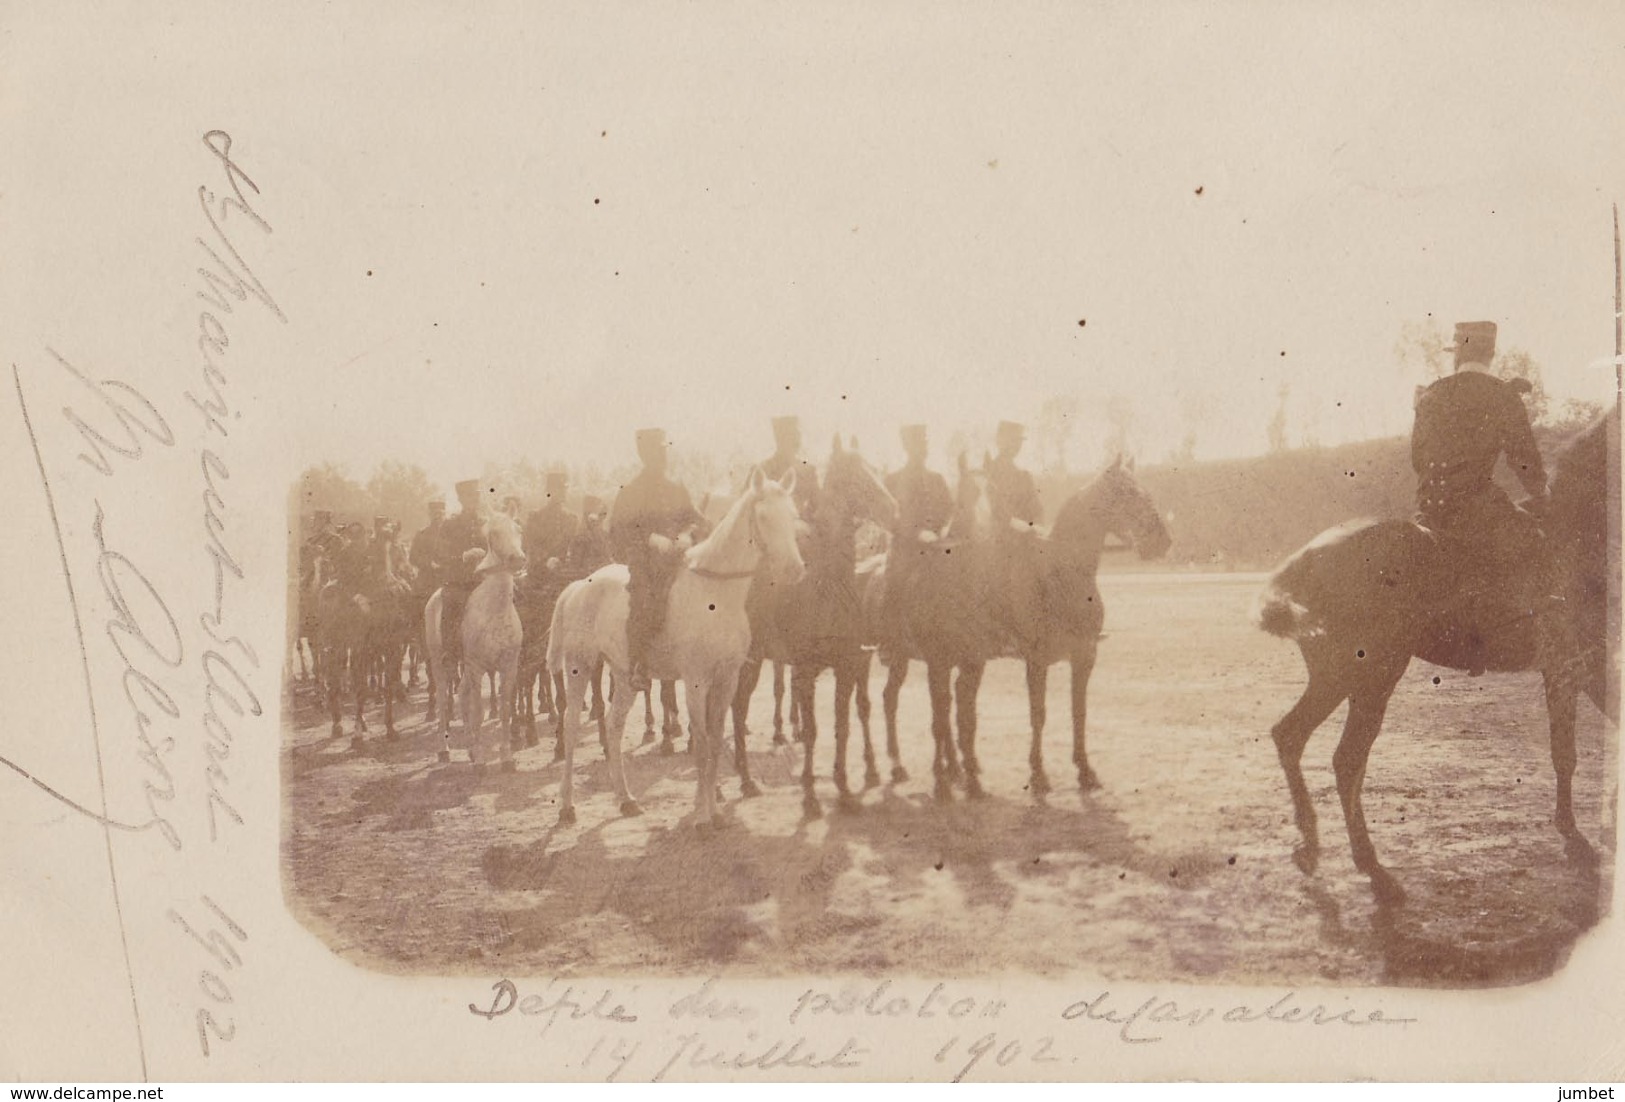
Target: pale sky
[(512, 233)]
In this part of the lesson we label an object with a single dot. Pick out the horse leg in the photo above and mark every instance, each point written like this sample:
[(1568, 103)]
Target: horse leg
[(719, 700), (667, 747), (944, 764), (741, 697), (896, 673), (473, 715), (1320, 698), (495, 699), (1367, 705), (1083, 664), (750, 672), (360, 670), (508, 733), (1037, 686), (1562, 700), (611, 730), (843, 730), (671, 720), (801, 690), (332, 686), (967, 685), (778, 701), (390, 733), (850, 674), (705, 788), (576, 679)]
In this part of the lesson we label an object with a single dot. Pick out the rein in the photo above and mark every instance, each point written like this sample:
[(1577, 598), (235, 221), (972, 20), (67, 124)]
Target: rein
[(733, 575)]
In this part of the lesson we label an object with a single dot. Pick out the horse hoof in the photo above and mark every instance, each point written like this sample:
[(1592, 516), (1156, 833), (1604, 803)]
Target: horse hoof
[(668, 747), (1039, 784), (1087, 781), (779, 739), (1385, 887), (648, 737), (630, 808), (899, 775), (944, 791), (811, 808), (338, 730), (567, 816), (531, 740), (849, 804), (748, 789), (445, 756), (871, 779), (357, 742), (1579, 851), (974, 789), (1307, 859)]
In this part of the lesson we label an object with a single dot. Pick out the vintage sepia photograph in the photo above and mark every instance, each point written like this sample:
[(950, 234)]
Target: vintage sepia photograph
[(677, 542)]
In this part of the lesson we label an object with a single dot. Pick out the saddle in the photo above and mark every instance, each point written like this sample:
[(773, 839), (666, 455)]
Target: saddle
[(1486, 591)]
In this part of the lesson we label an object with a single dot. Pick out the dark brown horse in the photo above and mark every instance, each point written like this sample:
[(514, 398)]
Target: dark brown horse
[(1362, 600), (363, 637), (1061, 614), (821, 623), (948, 623)]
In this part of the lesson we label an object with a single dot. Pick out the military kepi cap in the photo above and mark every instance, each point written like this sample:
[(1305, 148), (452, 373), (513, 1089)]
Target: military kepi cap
[(785, 425), (651, 438), (912, 434), (556, 481), (1012, 430), (1475, 341)]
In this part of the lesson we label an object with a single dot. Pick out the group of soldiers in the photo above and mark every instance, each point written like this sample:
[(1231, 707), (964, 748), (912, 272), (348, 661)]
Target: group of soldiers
[(1464, 423)]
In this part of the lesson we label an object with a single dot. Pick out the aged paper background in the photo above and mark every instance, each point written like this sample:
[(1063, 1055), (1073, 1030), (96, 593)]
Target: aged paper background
[(436, 194)]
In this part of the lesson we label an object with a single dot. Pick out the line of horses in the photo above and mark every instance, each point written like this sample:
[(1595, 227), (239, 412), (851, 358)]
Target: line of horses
[(1360, 601)]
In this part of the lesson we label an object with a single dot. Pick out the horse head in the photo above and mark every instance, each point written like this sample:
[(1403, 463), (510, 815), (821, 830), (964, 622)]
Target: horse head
[(1128, 511), (505, 549), (855, 488), (773, 522)]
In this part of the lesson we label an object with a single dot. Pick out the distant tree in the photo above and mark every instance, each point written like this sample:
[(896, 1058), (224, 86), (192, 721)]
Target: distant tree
[(1278, 420), (1420, 350), (1120, 425), (328, 487), (401, 491), (1057, 419)]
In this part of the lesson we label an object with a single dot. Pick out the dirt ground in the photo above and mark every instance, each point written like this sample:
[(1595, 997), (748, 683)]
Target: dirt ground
[(1178, 868)]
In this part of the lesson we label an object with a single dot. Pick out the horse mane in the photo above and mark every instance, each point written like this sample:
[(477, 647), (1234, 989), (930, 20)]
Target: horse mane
[(704, 553), (1073, 518)]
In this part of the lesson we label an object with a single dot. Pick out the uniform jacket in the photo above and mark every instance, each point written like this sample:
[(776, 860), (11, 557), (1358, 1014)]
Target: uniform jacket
[(1464, 422), (651, 504)]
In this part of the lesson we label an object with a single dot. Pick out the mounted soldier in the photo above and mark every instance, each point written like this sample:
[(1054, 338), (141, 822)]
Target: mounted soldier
[(1017, 513), (589, 547), (787, 454), (1464, 423), (425, 553), (550, 529), (652, 525), (924, 506), (390, 570), (462, 546)]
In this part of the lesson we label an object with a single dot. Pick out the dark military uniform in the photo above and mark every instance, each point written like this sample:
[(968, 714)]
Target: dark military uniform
[(924, 503), (1464, 424), (1013, 496), (548, 533), (589, 549), (461, 533), (425, 555), (651, 504)]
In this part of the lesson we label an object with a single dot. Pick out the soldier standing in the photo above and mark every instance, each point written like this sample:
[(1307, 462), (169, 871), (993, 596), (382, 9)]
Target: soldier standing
[(652, 524), (1464, 423)]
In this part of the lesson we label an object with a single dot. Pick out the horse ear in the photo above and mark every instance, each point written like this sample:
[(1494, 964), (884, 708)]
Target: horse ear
[(756, 478), (1116, 463), (852, 444), (964, 464), (788, 481), (835, 445), (1129, 465)]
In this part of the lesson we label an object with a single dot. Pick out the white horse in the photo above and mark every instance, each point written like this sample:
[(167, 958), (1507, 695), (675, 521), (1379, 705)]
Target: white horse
[(491, 636), (703, 644)]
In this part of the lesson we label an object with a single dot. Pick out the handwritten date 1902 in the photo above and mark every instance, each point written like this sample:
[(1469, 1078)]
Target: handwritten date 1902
[(210, 981), (1004, 1052)]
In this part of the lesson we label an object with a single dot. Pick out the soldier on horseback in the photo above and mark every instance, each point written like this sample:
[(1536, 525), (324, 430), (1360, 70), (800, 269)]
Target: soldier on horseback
[(1017, 512), (426, 548), (652, 525), (550, 529), (589, 547), (924, 506), (459, 569), (787, 454), (1464, 423)]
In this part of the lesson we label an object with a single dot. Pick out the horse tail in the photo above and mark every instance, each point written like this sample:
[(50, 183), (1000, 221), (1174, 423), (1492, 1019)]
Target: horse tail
[(1277, 613)]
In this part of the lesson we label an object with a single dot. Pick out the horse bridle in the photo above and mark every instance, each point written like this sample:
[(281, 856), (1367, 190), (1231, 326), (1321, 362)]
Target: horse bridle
[(735, 575)]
